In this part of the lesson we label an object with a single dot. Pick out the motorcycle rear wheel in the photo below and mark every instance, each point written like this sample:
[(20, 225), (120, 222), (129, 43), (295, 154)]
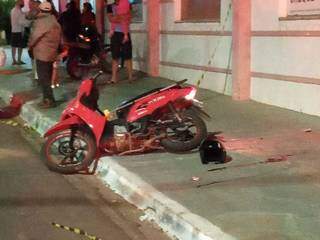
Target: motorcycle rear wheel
[(61, 156), (74, 70), (187, 135)]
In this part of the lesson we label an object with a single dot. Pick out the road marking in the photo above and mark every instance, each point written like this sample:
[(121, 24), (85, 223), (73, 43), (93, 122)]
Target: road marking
[(76, 231)]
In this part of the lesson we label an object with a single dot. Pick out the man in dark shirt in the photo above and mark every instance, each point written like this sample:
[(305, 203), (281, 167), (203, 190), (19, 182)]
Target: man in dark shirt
[(70, 21), (118, 46)]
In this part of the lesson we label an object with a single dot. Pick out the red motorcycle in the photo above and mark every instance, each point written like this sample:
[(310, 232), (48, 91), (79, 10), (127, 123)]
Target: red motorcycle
[(164, 118)]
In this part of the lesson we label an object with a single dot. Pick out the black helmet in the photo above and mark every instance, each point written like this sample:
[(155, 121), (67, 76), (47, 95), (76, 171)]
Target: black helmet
[(212, 150)]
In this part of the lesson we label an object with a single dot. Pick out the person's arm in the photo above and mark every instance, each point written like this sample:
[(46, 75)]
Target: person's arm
[(38, 32), (111, 17), (23, 21), (119, 18), (32, 14)]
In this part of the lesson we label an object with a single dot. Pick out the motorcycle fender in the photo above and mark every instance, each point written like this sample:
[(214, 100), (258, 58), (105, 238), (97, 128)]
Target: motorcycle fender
[(201, 112), (64, 124)]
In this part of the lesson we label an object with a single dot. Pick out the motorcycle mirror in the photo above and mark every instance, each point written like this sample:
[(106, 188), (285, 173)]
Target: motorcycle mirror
[(94, 78)]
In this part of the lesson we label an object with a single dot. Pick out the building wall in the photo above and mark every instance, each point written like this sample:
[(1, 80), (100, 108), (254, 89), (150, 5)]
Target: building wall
[(285, 66), (186, 49), (189, 50), (284, 54), (140, 42)]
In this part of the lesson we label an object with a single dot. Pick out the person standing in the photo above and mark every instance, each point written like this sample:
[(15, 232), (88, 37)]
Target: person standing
[(18, 23), (119, 46), (88, 18), (122, 9), (70, 21), (44, 43)]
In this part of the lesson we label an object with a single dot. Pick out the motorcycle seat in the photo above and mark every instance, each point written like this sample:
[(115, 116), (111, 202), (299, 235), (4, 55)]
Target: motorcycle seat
[(131, 101)]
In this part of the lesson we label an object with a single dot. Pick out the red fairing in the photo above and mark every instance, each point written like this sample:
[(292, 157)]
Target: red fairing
[(148, 104), (65, 124), (85, 88), (77, 113)]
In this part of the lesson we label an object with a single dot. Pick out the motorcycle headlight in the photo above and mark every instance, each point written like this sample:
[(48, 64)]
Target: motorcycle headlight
[(191, 94)]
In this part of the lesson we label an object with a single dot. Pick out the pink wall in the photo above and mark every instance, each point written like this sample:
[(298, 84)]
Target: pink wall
[(153, 37), (241, 48)]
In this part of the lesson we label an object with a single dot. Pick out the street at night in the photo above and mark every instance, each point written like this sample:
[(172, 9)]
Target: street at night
[(159, 119), (32, 198)]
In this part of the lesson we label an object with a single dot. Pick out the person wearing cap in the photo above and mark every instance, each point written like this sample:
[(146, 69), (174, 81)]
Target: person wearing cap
[(33, 10), (88, 18), (44, 43)]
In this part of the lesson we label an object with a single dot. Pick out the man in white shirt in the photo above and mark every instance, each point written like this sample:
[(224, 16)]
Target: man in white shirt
[(18, 23)]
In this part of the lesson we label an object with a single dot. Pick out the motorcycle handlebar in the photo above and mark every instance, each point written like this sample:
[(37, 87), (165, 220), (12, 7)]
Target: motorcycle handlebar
[(94, 78)]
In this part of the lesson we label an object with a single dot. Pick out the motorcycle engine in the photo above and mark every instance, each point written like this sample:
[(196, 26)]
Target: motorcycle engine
[(121, 137)]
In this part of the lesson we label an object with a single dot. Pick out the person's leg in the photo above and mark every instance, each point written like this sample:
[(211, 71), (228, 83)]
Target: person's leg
[(35, 73), (115, 51), (13, 53), (44, 70), (128, 64), (14, 42), (20, 55), (127, 54), (115, 66)]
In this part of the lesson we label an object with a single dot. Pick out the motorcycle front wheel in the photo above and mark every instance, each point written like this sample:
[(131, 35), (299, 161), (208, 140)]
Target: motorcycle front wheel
[(185, 135), (68, 151)]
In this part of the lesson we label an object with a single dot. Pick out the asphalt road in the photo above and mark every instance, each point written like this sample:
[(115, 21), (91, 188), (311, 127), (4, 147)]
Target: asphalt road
[(32, 197)]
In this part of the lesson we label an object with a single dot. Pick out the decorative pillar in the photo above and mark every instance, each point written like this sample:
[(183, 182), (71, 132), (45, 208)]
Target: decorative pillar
[(241, 47), (153, 37), (100, 12)]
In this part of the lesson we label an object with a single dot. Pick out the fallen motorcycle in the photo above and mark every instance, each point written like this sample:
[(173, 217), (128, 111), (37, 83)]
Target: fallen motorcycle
[(164, 118)]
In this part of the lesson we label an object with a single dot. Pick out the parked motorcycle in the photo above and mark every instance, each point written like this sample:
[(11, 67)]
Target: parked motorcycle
[(87, 53), (164, 118)]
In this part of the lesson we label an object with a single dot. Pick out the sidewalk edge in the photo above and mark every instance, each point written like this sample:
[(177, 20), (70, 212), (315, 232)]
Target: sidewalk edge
[(171, 216)]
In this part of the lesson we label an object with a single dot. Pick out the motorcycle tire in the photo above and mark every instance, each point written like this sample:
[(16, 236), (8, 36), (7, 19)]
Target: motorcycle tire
[(59, 157), (174, 144), (73, 68)]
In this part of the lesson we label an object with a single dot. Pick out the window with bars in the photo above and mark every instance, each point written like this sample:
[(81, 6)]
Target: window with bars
[(299, 9), (200, 10)]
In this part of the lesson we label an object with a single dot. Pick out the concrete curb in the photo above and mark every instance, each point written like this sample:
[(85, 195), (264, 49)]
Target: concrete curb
[(172, 217)]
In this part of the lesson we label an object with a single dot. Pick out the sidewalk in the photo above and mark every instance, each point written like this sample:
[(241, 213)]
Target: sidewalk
[(247, 200)]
